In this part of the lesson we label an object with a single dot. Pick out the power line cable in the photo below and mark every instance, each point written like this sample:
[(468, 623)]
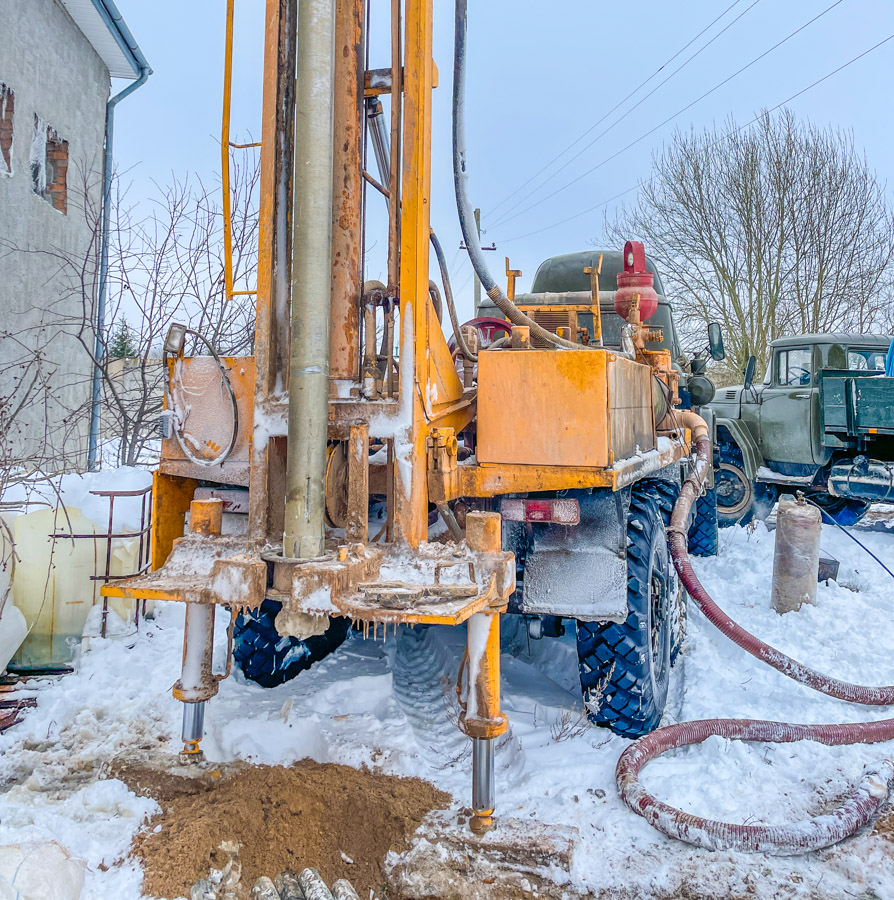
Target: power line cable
[(642, 84), (462, 287), (679, 112), (714, 144), (505, 217)]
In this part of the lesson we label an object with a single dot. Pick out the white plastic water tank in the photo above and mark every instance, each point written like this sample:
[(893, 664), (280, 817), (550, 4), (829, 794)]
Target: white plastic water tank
[(54, 586)]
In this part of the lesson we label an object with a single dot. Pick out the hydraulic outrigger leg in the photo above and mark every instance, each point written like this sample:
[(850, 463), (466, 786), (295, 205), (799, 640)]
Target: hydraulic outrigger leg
[(197, 682), (482, 719)]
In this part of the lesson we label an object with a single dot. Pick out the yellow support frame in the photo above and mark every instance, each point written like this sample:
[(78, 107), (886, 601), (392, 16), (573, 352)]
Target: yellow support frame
[(411, 499)]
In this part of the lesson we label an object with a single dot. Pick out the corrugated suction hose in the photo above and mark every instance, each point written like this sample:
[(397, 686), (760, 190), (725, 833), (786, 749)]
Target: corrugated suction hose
[(857, 809)]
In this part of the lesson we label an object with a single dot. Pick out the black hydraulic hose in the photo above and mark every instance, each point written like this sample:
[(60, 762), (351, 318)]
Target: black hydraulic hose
[(840, 527), (448, 296), (463, 204)]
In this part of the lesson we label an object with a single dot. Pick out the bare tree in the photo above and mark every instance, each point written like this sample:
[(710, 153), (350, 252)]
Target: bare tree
[(28, 401), (165, 265), (777, 228)]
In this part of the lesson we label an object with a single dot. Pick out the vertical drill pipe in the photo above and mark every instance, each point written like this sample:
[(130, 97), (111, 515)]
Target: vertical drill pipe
[(193, 729), (347, 192), (225, 154), (482, 719), (274, 245), (198, 647), (311, 281)]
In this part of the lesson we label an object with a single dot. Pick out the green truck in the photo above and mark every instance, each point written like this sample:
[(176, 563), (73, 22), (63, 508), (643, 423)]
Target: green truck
[(821, 421)]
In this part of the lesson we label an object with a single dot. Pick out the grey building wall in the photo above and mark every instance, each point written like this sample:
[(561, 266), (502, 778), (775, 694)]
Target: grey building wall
[(57, 75)]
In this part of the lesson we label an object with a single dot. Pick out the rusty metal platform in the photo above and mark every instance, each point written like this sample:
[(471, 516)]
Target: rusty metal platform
[(440, 583)]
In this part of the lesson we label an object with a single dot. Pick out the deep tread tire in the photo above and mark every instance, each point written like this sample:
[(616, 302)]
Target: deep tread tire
[(269, 659), (703, 533), (624, 669), (666, 493)]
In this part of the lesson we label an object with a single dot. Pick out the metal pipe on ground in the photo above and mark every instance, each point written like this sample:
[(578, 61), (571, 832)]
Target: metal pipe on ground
[(311, 281)]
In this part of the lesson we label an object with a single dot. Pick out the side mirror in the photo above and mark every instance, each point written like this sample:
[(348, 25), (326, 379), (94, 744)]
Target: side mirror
[(749, 372), (715, 341)]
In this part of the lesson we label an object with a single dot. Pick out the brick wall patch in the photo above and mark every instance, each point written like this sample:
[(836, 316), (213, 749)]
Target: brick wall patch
[(49, 165), (7, 111)]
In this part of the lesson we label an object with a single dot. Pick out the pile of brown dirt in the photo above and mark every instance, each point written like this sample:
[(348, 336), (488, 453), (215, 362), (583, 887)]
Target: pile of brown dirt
[(284, 818)]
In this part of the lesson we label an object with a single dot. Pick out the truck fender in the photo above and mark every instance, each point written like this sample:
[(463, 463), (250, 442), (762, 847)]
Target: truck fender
[(751, 456)]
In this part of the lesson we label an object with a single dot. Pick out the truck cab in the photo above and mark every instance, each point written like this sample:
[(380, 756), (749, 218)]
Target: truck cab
[(784, 430)]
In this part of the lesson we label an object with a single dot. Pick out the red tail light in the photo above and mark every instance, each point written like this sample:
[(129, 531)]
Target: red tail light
[(559, 512)]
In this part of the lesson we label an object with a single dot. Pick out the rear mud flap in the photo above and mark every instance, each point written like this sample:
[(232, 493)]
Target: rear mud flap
[(580, 571)]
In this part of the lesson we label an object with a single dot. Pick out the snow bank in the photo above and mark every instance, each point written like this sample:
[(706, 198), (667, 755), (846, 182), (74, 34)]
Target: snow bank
[(73, 490), (390, 707)]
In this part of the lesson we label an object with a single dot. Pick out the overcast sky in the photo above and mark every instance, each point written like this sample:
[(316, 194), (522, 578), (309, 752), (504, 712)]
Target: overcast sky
[(540, 75)]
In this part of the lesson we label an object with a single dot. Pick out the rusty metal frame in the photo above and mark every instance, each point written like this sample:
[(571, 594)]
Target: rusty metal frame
[(143, 553)]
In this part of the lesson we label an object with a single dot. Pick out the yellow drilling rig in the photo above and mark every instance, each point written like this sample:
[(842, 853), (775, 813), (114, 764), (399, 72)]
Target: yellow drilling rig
[(552, 454)]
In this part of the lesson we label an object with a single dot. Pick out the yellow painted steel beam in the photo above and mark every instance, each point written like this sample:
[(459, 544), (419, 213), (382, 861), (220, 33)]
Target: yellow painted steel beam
[(492, 480), (171, 497), (411, 494)]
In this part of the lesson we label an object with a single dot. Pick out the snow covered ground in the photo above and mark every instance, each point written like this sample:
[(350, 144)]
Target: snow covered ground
[(387, 706)]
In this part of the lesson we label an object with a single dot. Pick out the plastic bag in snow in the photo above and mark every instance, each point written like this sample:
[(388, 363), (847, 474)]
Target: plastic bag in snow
[(39, 871)]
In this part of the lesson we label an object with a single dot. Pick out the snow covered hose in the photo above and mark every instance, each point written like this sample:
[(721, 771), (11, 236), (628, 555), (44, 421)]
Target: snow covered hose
[(857, 809)]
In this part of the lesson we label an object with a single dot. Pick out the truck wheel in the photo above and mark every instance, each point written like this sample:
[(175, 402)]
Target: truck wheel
[(624, 669), (739, 500), (269, 659), (666, 493), (843, 510), (703, 532)]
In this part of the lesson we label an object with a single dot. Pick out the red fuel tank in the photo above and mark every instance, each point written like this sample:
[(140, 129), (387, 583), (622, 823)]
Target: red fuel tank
[(635, 280)]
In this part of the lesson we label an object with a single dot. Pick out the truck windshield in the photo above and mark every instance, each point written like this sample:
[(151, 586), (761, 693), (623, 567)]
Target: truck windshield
[(874, 360), (793, 366)]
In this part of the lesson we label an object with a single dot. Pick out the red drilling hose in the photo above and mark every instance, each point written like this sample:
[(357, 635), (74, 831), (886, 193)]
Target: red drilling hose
[(857, 809)]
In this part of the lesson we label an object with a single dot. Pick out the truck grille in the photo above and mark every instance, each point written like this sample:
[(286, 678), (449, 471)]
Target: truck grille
[(552, 320)]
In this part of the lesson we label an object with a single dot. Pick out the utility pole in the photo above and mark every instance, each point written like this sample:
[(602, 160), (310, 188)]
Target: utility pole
[(477, 282)]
